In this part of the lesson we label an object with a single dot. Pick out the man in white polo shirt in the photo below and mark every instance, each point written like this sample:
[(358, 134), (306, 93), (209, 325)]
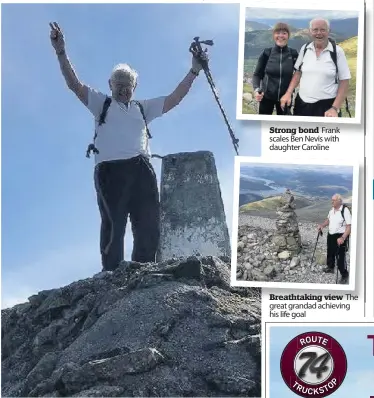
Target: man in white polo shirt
[(125, 181), (323, 86), (339, 223)]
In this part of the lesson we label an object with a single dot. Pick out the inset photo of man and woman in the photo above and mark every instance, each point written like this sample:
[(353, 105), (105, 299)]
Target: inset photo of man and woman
[(300, 64)]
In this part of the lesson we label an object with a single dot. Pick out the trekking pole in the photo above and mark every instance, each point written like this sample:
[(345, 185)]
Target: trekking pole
[(337, 262), (197, 51), (320, 233), (260, 91)]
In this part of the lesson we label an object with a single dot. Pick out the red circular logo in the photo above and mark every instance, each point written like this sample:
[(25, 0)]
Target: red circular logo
[(313, 364)]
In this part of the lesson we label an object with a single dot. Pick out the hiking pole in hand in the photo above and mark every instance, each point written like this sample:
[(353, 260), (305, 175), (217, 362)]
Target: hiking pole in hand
[(320, 233), (337, 254), (197, 51), (260, 91)]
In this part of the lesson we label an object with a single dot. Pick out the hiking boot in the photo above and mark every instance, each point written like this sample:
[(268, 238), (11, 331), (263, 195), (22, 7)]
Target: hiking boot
[(328, 270), (344, 279)]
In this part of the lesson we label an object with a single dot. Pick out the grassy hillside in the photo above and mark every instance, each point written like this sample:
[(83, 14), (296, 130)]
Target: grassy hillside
[(306, 209), (272, 203), (350, 48)]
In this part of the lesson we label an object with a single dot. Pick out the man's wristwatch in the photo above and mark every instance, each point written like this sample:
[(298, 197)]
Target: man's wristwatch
[(194, 72), (335, 109)]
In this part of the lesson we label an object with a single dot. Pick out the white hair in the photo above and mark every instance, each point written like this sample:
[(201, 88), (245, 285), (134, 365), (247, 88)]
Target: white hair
[(319, 19), (338, 197), (124, 70)]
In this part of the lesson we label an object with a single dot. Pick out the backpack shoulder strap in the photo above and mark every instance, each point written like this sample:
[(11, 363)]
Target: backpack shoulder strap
[(91, 147), (334, 58), (106, 105), (302, 59), (342, 212), (143, 115)]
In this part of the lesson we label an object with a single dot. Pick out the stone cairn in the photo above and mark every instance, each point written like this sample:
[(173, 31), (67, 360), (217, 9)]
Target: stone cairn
[(287, 239)]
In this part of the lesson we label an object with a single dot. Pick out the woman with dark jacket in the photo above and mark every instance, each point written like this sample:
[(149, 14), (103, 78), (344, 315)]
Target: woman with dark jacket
[(274, 71)]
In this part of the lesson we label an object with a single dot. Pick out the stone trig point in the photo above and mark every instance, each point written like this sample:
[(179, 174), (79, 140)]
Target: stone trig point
[(193, 220), (287, 239)]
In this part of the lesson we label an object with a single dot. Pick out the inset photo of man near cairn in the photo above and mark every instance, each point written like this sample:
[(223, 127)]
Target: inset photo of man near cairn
[(296, 225), (300, 63)]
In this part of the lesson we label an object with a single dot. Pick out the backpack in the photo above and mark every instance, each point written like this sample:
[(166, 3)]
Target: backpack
[(108, 100), (342, 213), (334, 58)]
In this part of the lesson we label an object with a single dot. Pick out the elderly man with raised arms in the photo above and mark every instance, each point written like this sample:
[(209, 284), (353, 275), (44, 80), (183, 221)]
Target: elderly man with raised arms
[(124, 178)]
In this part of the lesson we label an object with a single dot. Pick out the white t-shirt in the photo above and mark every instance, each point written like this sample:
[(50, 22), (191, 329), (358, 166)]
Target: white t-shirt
[(318, 73), (123, 135), (337, 224)]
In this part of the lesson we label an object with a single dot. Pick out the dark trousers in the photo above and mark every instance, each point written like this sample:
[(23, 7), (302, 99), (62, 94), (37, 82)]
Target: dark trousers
[(127, 188), (267, 106), (335, 251), (312, 109)]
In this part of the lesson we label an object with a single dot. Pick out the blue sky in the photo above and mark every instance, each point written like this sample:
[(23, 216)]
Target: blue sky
[(50, 220), (358, 349)]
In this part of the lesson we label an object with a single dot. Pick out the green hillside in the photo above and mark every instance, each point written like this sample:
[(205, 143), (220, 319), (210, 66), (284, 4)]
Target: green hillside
[(306, 209), (350, 48), (272, 203)]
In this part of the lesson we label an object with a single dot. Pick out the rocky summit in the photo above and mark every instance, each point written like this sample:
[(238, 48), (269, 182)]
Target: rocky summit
[(259, 258), (173, 328)]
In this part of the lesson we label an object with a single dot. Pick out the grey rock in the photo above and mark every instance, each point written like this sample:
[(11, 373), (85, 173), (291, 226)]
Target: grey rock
[(294, 262), (284, 255), (297, 268), (270, 271), (173, 328)]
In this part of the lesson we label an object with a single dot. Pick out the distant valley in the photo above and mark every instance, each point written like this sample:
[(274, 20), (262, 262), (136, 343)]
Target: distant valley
[(261, 187)]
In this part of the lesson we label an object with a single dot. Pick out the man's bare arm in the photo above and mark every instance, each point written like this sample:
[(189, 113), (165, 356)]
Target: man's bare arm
[(71, 79), (294, 82), (347, 232), (324, 224), (179, 93), (342, 93), (286, 99)]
